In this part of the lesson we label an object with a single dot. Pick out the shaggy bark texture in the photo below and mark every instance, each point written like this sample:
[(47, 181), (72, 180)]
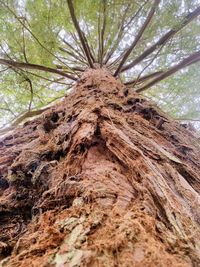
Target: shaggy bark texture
[(104, 178)]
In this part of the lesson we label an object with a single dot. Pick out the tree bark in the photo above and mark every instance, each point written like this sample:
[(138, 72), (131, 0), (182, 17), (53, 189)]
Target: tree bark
[(104, 178)]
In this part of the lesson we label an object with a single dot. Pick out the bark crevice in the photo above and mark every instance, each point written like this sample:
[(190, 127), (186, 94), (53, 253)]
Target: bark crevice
[(102, 181)]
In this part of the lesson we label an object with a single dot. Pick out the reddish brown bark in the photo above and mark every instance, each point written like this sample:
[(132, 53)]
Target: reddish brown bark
[(102, 179)]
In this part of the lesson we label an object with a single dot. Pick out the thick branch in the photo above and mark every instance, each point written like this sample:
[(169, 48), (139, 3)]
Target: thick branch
[(187, 19), (80, 33), (102, 33), (22, 65), (184, 63), (88, 47), (144, 78), (46, 79), (138, 36), (75, 68)]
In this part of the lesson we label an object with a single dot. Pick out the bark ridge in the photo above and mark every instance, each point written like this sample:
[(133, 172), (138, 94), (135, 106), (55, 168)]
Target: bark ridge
[(104, 178)]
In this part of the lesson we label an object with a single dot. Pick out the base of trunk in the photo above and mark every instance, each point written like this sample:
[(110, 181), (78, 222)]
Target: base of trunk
[(102, 179)]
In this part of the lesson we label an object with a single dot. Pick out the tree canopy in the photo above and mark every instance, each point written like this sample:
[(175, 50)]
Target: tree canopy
[(151, 45)]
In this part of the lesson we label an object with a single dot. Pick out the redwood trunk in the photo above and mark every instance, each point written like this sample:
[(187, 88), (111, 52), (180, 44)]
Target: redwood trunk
[(104, 178)]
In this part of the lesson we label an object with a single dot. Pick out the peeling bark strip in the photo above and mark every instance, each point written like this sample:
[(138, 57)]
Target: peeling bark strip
[(104, 178)]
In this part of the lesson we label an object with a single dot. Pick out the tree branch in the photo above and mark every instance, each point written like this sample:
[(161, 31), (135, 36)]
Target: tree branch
[(101, 48), (91, 48), (22, 65), (76, 57), (187, 19), (4, 69), (88, 48), (150, 62), (195, 57), (46, 79), (74, 49), (32, 34), (80, 33), (21, 118), (138, 36), (187, 119), (117, 38), (31, 90), (26, 79), (143, 78), (122, 26)]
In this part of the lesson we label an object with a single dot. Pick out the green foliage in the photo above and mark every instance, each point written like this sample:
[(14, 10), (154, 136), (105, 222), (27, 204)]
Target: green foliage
[(179, 95)]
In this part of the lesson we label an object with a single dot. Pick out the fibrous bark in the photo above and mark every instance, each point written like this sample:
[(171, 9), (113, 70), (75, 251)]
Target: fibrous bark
[(104, 178)]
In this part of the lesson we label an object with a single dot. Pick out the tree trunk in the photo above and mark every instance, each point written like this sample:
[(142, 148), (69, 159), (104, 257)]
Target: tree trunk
[(104, 178)]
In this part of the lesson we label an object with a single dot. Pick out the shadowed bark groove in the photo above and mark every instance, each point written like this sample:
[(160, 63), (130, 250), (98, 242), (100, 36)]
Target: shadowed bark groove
[(104, 178)]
